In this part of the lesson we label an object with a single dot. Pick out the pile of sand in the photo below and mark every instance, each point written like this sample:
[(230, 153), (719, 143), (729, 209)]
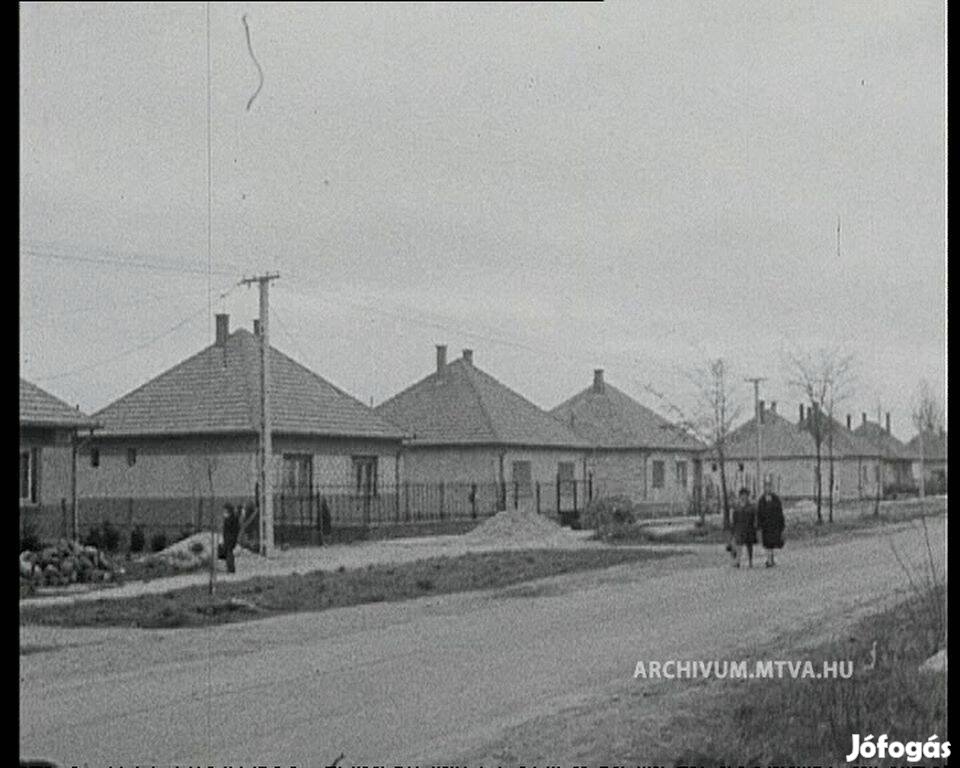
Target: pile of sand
[(517, 525)]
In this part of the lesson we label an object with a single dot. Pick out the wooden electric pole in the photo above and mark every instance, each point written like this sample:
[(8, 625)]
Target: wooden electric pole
[(756, 409), (266, 447)]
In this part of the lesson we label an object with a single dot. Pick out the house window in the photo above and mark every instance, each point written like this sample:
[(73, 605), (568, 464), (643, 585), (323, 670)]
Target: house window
[(297, 477), (131, 456), (365, 474), (94, 457), (740, 467), (658, 474), (681, 474), (28, 475), (713, 467)]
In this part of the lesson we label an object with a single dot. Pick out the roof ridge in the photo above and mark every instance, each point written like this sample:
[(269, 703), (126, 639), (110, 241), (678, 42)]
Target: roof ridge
[(484, 406), (148, 382), (371, 411)]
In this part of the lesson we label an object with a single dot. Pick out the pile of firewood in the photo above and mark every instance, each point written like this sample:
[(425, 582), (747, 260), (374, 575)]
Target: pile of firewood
[(67, 562)]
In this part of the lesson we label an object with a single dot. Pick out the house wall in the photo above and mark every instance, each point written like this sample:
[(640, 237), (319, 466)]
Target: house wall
[(795, 478), (169, 485), (481, 464), (51, 515), (630, 473), (55, 458)]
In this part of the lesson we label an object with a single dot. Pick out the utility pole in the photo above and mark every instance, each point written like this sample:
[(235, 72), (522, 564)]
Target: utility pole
[(756, 409), (266, 447)]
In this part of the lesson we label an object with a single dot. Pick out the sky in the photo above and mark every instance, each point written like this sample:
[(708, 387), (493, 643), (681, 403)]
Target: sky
[(633, 186)]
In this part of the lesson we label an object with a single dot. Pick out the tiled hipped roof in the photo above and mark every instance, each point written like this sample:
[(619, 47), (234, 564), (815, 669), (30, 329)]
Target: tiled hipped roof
[(218, 391), (883, 440), (612, 419), (40, 408), (781, 438), (462, 405)]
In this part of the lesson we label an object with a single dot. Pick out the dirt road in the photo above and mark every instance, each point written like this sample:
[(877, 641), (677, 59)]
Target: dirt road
[(428, 680)]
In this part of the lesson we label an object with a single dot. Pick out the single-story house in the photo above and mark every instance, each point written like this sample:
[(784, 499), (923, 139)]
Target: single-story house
[(633, 451), (173, 451), (48, 439), (464, 428), (934, 466), (789, 452), (896, 458)]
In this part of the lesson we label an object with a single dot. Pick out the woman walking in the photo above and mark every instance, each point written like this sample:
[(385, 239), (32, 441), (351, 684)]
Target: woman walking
[(744, 528), (770, 521)]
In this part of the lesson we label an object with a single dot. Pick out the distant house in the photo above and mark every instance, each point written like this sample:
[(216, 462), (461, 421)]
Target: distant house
[(464, 427), (633, 451), (789, 458), (174, 450), (896, 458), (934, 445), (48, 437)]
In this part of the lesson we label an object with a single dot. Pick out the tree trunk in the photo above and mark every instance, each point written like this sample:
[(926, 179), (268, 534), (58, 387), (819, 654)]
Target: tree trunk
[(819, 486), (830, 465), (723, 494)]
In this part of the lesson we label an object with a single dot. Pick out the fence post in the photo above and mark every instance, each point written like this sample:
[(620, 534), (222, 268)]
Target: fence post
[(516, 494), (538, 497), (558, 496), (406, 500), (590, 487), (502, 501), (574, 497), (63, 517), (441, 499), (473, 501), (129, 526)]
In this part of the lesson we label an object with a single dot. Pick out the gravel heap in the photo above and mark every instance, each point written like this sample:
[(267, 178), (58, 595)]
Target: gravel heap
[(523, 525)]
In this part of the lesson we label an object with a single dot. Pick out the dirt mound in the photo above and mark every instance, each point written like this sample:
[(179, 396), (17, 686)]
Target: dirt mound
[(517, 525)]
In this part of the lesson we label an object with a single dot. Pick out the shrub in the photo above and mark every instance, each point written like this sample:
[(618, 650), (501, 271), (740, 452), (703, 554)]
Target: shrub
[(29, 539), (158, 542), (94, 538), (137, 540), (606, 515), (110, 537)]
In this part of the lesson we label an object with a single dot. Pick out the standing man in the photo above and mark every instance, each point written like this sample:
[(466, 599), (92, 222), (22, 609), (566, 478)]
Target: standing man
[(744, 528), (770, 521), (231, 532)]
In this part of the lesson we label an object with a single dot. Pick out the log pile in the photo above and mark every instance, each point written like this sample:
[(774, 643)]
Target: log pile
[(67, 562)]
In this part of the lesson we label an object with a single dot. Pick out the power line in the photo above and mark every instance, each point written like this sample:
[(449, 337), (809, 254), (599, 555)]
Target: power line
[(155, 266), (99, 308), (131, 350)]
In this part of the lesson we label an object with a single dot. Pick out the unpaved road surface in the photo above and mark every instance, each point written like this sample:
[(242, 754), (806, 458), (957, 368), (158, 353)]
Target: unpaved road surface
[(430, 680)]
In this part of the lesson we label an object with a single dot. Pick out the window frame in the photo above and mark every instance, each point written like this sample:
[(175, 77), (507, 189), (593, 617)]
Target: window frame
[(680, 468), (32, 497), (359, 462), (655, 465)]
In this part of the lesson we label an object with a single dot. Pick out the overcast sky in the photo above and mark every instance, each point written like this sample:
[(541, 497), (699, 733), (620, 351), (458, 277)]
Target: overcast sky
[(636, 186)]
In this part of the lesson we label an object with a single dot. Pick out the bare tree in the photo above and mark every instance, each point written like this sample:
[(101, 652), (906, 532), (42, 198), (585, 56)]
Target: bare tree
[(714, 414), (927, 417), (825, 378)]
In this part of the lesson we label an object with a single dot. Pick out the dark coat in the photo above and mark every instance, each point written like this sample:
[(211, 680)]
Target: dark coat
[(745, 525), (231, 529), (770, 521)]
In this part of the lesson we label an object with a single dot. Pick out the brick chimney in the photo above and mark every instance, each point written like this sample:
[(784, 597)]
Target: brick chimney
[(773, 406), (849, 422), (801, 414), (441, 357), (864, 416), (760, 406), (598, 380), (468, 356), (223, 329), (256, 326), (888, 422)]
